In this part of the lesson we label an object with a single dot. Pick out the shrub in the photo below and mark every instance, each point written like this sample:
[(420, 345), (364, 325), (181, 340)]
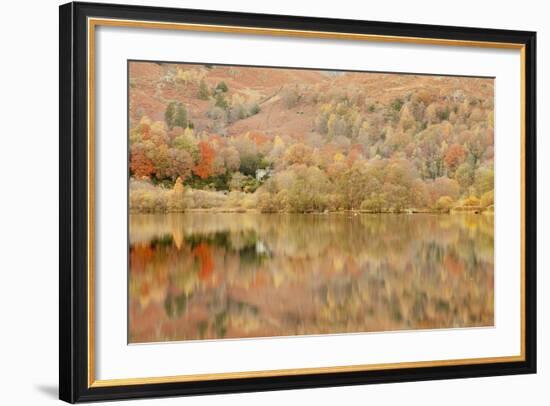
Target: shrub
[(443, 114), (250, 200), (254, 109), (444, 203), (147, 198), (397, 104), (267, 203), (250, 184), (215, 112), (236, 112), (204, 199), (375, 203), (237, 181), (235, 199), (471, 201), (221, 102), (290, 97)]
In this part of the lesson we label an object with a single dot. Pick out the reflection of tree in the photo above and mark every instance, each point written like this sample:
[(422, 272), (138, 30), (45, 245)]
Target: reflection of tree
[(202, 252), (235, 275)]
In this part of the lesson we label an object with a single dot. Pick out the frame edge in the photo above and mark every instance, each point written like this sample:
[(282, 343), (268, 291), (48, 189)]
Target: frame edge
[(67, 389)]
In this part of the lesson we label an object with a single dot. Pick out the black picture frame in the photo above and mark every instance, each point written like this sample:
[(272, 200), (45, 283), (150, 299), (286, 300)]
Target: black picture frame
[(73, 203)]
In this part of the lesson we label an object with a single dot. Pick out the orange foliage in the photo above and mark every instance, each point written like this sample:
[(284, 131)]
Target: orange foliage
[(454, 156), (207, 154), (258, 138)]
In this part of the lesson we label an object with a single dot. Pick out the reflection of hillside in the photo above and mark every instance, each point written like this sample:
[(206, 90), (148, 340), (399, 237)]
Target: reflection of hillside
[(204, 275)]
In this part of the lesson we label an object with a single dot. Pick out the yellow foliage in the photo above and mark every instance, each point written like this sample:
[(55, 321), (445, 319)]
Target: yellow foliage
[(178, 186), (278, 142), (339, 157), (158, 127), (190, 75), (471, 201), (188, 132), (444, 203), (325, 108)]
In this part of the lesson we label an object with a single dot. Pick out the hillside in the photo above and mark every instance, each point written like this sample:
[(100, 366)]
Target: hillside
[(374, 141)]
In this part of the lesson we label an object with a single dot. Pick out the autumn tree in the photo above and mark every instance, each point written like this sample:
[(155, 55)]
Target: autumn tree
[(231, 158), (204, 167), (250, 159), (465, 175), (429, 152), (141, 165), (484, 180), (354, 185), (454, 156), (298, 154), (187, 141), (181, 163), (444, 203), (443, 186), (176, 200), (161, 161)]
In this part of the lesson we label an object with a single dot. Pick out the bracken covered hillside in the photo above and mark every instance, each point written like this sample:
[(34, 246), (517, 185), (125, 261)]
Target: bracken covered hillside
[(204, 136)]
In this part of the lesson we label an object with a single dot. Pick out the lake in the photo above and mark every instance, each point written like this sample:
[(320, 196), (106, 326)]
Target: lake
[(203, 275)]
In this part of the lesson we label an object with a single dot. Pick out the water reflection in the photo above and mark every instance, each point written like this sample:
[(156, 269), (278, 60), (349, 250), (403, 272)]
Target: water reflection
[(226, 275)]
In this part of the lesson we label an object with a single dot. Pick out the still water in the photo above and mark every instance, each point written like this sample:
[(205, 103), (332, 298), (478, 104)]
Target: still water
[(228, 275)]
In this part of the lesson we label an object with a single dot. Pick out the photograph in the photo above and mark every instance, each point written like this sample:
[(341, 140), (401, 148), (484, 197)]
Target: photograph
[(246, 203), (272, 201), (252, 201)]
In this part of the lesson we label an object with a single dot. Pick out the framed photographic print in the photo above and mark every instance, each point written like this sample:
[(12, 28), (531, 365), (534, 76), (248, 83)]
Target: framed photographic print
[(258, 202)]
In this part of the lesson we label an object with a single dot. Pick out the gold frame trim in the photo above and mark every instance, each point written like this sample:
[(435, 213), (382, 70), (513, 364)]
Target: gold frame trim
[(94, 22)]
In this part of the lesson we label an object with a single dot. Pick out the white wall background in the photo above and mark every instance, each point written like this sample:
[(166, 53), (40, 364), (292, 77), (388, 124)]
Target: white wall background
[(29, 203)]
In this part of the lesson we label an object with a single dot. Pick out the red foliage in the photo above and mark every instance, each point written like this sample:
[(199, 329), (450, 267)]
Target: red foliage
[(205, 166), (140, 256), (140, 164)]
